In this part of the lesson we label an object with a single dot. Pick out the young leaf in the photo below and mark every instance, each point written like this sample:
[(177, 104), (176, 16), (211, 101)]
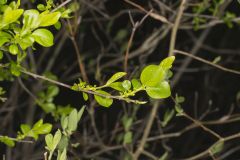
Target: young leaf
[(15, 69), (13, 49), (48, 19), (38, 124), (6, 140), (136, 84), (126, 84), (25, 128), (152, 75), (57, 138), (43, 129), (168, 116), (26, 42), (167, 62), (64, 122), (63, 155), (30, 20), (162, 90), (115, 77), (103, 101), (117, 86), (80, 113), (52, 91), (44, 37), (73, 120), (63, 143), (49, 142), (11, 16), (127, 137), (85, 96), (217, 147)]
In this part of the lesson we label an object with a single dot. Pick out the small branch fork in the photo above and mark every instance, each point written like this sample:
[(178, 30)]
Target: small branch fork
[(135, 25)]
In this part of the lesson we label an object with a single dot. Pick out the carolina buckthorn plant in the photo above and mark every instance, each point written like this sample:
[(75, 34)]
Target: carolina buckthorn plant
[(119, 80)]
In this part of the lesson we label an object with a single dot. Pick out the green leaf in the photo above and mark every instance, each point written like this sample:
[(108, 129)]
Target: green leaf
[(41, 7), (38, 124), (136, 84), (26, 42), (48, 19), (115, 77), (63, 143), (30, 20), (168, 116), (85, 96), (126, 84), (179, 109), (4, 37), (162, 90), (6, 140), (13, 49), (25, 128), (64, 122), (52, 91), (44, 37), (11, 16), (127, 123), (152, 75), (43, 129), (15, 69), (58, 25), (73, 120), (127, 137), (48, 107), (217, 59), (80, 113), (63, 155), (167, 62), (49, 142), (103, 101), (216, 148), (117, 86), (31, 133), (56, 138)]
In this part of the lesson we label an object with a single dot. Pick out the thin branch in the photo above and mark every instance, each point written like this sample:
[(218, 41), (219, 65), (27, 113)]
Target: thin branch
[(61, 5), (146, 132), (126, 99), (175, 28), (153, 15), (135, 26), (207, 62)]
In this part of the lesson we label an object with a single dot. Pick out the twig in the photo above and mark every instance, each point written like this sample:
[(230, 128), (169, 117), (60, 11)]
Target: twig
[(175, 28), (79, 89), (146, 132), (135, 26), (153, 15), (201, 125), (207, 62), (61, 5)]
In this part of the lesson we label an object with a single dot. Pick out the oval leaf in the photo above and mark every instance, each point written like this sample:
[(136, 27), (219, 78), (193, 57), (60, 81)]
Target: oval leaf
[(105, 102), (48, 19), (44, 37), (73, 120), (152, 75), (160, 91), (167, 62), (115, 77)]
